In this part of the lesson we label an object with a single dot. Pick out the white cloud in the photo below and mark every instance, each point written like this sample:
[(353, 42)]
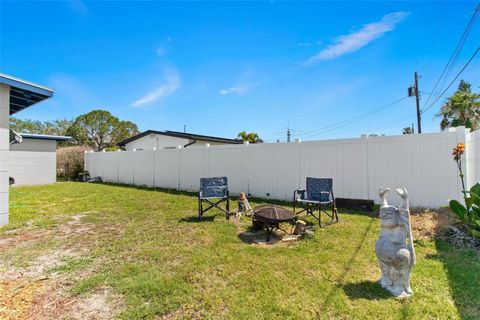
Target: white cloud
[(243, 85), (162, 91), (360, 38), (238, 89), (163, 48)]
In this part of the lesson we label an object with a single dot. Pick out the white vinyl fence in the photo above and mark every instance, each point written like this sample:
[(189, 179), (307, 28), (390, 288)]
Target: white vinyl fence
[(422, 163)]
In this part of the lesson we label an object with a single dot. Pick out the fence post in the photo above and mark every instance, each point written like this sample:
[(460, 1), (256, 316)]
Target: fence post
[(154, 165), (461, 133), (245, 167), (365, 172), (298, 161), (470, 151), (118, 166), (178, 167), (86, 164), (207, 148)]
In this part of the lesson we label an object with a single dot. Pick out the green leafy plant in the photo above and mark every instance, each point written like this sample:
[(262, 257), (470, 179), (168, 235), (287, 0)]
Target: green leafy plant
[(469, 213)]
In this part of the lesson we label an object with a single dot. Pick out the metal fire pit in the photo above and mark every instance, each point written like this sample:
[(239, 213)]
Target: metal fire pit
[(270, 217)]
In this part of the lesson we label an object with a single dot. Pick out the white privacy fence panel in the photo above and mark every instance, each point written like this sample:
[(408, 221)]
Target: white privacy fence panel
[(126, 167), (272, 170), (343, 160), (473, 158), (193, 165), (167, 169), (229, 161), (421, 163)]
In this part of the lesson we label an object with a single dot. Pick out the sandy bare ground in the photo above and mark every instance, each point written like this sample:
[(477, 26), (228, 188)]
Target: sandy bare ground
[(32, 289)]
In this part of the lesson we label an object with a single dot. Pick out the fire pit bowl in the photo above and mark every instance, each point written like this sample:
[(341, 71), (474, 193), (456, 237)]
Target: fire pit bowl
[(270, 217)]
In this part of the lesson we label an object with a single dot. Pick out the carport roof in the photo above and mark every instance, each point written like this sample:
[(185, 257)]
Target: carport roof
[(23, 94), (44, 137)]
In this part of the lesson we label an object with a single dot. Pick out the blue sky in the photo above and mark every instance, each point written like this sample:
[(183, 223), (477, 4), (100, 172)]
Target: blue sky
[(223, 67)]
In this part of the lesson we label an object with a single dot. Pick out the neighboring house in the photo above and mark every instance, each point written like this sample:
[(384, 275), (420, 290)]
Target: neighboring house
[(34, 160), (15, 95), (169, 140)]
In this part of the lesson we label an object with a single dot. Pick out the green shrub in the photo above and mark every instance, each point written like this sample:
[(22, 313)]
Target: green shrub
[(470, 213)]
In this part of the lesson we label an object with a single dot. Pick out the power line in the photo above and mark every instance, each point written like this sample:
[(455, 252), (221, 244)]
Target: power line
[(456, 77), (454, 57), (349, 121)]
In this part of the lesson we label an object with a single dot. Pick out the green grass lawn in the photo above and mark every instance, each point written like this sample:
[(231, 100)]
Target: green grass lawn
[(162, 262)]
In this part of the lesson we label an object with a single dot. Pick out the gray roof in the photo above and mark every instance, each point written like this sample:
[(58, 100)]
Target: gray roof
[(23, 94), (44, 137), (184, 135)]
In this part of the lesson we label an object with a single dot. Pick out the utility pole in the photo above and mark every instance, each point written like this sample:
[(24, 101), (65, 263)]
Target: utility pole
[(289, 132), (417, 99)]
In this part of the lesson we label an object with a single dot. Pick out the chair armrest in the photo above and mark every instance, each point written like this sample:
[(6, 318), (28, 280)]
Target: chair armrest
[(330, 195), (299, 192)]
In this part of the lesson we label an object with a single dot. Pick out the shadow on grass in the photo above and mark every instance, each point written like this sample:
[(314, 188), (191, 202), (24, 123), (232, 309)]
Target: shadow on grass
[(194, 219), (350, 264), (463, 270), (366, 290)]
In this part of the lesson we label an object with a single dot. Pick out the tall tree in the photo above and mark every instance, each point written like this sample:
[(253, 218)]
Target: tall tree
[(57, 127), (99, 129), (251, 137), (461, 109)]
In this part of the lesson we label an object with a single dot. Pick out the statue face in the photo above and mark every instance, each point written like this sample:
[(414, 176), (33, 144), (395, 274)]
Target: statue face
[(388, 217)]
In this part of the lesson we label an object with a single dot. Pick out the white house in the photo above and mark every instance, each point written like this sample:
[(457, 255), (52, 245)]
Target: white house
[(169, 140), (34, 161), (15, 95)]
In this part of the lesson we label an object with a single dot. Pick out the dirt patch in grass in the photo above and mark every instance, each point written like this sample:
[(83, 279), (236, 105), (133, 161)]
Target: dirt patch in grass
[(429, 224), (55, 303), (16, 296), (40, 288), (15, 240)]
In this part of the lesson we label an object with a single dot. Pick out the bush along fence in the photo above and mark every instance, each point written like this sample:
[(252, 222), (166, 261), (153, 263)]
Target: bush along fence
[(421, 163)]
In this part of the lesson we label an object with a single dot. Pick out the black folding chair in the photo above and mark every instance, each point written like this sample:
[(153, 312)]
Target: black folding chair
[(213, 191), (317, 196)]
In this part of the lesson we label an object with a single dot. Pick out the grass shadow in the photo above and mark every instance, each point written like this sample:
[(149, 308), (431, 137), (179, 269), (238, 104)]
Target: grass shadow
[(463, 270), (351, 262), (194, 219), (370, 290)]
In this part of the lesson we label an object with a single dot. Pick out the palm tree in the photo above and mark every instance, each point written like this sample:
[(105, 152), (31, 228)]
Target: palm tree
[(461, 109), (251, 137)]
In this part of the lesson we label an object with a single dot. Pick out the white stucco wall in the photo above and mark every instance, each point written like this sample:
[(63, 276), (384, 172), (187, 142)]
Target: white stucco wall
[(157, 141), (33, 162), (162, 142), (4, 147)]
